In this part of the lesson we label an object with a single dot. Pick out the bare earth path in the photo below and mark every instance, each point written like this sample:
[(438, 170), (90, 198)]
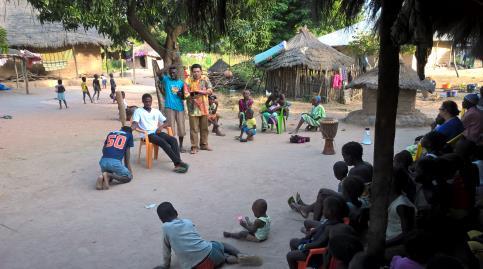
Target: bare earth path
[(52, 217)]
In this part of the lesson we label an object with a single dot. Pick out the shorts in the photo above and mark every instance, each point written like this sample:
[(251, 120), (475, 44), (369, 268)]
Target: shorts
[(175, 116), (217, 254), (115, 166), (247, 130), (60, 96)]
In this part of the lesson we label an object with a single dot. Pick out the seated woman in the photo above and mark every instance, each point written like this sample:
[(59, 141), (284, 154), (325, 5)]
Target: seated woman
[(312, 119), (452, 125), (274, 104)]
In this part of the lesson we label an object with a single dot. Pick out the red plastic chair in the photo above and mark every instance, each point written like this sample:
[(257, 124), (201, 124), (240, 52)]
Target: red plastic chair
[(333, 264)]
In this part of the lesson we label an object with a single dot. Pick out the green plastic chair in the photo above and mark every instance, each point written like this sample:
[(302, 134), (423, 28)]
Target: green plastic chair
[(280, 121)]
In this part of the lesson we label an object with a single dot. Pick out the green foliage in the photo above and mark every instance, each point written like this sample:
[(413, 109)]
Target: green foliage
[(364, 44), (408, 49), (3, 41), (247, 71)]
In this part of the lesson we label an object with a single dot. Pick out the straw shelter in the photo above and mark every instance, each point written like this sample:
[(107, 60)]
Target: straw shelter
[(64, 53), (304, 66), (144, 56), (219, 67), (409, 84)]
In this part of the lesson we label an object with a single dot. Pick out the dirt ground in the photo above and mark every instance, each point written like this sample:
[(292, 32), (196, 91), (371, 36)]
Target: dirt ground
[(51, 216)]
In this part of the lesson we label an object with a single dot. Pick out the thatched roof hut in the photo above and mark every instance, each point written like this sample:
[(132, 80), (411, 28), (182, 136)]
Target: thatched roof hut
[(300, 70), (219, 67), (409, 84), (65, 52)]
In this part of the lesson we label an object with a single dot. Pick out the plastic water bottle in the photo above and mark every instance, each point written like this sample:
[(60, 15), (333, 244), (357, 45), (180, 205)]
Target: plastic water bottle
[(366, 138)]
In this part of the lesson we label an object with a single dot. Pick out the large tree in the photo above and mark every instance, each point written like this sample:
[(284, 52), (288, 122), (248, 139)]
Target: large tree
[(405, 22), (143, 19)]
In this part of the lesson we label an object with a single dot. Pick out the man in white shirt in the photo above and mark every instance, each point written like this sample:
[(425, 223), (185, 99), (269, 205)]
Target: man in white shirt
[(153, 121)]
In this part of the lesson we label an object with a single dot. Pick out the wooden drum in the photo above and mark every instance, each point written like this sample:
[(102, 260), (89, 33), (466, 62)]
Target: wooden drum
[(328, 127)]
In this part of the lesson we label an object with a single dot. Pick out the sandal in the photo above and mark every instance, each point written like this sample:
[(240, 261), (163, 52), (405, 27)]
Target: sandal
[(298, 208)]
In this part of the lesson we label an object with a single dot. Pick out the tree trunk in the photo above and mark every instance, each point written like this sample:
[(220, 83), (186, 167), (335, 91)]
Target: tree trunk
[(170, 52), (387, 99)]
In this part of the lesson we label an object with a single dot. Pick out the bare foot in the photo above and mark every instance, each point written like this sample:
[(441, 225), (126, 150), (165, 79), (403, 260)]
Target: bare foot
[(99, 182), (193, 150), (105, 182)]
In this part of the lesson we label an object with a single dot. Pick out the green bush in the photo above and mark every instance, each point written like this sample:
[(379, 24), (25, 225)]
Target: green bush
[(3, 41)]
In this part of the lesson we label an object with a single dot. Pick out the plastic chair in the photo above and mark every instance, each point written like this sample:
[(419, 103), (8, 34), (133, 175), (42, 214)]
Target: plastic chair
[(281, 120), (151, 149), (454, 140)]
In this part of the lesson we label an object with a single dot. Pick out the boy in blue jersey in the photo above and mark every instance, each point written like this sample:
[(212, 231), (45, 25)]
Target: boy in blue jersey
[(172, 91), (116, 147)]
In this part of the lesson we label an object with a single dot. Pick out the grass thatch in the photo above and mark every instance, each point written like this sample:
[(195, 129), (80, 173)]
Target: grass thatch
[(304, 49), (220, 66), (24, 30), (408, 80)]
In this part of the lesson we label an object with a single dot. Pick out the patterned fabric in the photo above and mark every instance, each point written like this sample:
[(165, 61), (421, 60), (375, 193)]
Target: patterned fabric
[(244, 106), (197, 104), (313, 118)]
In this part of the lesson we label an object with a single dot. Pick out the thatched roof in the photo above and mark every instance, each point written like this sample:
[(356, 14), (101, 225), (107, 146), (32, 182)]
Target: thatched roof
[(145, 50), (305, 49), (408, 80), (220, 66), (24, 30)]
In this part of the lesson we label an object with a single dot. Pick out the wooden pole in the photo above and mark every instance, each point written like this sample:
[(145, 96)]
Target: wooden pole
[(122, 64), (122, 109), (16, 71), (75, 63), (133, 66), (454, 62), (157, 85), (25, 75)]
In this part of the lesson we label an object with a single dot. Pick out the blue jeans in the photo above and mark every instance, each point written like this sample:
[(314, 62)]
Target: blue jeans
[(217, 254), (115, 167)]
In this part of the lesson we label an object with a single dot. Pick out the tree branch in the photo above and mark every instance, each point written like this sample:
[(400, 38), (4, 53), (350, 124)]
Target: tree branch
[(142, 30)]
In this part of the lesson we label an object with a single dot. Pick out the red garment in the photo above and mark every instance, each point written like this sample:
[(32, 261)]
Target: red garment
[(242, 106), (337, 82)]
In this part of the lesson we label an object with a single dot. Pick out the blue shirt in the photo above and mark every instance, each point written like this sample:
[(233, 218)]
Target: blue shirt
[(171, 89), (182, 236), (116, 144), (451, 128)]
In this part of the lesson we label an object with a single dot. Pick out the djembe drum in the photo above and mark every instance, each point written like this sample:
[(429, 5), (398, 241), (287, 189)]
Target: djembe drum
[(329, 130)]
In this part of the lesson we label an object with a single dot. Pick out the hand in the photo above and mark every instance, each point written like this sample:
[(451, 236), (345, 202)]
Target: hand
[(301, 247)]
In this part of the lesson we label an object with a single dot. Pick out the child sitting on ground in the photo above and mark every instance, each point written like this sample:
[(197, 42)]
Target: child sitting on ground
[(249, 127), (340, 172), (258, 230), (213, 117)]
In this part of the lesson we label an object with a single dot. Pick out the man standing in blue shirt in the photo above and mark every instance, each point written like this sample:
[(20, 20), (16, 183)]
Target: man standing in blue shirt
[(116, 147), (173, 103)]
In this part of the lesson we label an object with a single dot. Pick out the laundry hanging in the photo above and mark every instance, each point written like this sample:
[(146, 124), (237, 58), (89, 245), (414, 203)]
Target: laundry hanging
[(56, 60)]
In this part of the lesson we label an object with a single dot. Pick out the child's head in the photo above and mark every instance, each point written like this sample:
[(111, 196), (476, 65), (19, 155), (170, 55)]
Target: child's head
[(249, 113), (59, 81), (123, 94), (352, 188), (166, 212), (433, 141), (259, 208), (403, 160), (344, 246), (126, 129), (425, 170), (96, 76), (352, 152), (111, 75), (335, 208), (212, 98), (246, 94), (316, 100), (83, 79), (340, 170)]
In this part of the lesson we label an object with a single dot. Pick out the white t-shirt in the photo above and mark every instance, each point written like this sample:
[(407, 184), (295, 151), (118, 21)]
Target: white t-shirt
[(148, 121)]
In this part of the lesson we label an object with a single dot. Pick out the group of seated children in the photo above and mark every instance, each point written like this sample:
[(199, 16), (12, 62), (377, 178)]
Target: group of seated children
[(428, 198), (192, 251)]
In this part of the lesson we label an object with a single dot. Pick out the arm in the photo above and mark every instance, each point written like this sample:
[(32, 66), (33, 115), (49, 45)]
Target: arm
[(127, 157), (320, 238), (407, 216), (252, 227), (216, 107), (135, 127), (166, 253)]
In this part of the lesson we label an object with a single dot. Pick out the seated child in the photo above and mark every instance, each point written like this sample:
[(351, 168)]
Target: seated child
[(249, 127), (191, 250), (334, 211), (213, 117), (340, 172), (243, 105), (258, 230)]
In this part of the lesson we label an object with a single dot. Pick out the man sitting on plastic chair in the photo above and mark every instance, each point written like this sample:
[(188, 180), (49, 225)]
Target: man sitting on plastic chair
[(152, 121)]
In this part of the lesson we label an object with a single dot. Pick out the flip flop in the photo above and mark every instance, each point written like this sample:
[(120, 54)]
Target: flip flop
[(290, 200), (298, 200), (297, 208)]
